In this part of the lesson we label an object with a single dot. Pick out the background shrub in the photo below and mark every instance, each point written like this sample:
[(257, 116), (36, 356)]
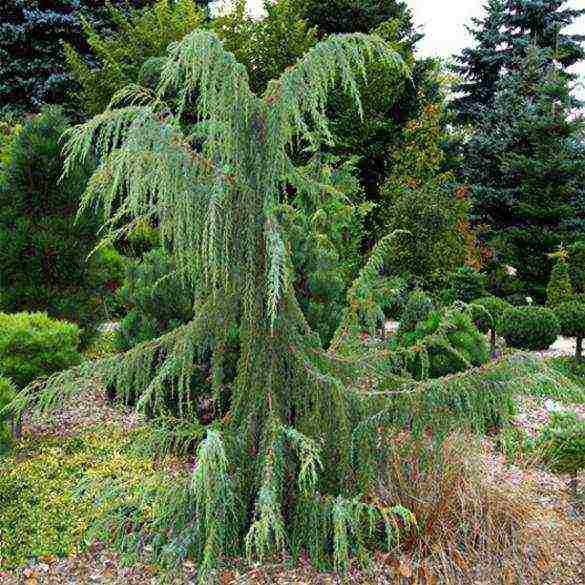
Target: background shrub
[(562, 443), (156, 299), (577, 265), (571, 315), (464, 284), (117, 58), (491, 318), (559, 287), (488, 315), (417, 308), (34, 345), (7, 393), (43, 248), (448, 338), (533, 328)]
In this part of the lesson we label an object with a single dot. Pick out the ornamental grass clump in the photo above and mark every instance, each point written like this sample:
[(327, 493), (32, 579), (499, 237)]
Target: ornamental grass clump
[(470, 525)]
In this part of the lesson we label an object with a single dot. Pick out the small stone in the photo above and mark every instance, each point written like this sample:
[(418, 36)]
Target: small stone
[(552, 406)]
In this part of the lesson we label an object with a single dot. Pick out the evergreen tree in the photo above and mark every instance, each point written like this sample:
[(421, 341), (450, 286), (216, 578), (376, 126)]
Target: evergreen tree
[(32, 33), (424, 201), (277, 471), (389, 102), (526, 165), (110, 60), (347, 16), (479, 66), (541, 23), (502, 38)]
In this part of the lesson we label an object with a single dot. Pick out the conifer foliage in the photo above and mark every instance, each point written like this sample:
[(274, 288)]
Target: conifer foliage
[(277, 470), (526, 166), (503, 37)]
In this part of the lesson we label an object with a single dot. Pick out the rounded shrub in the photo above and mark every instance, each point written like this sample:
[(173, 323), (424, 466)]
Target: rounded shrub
[(532, 328), (464, 284), (571, 317), (416, 309), (34, 345), (449, 340), (488, 313)]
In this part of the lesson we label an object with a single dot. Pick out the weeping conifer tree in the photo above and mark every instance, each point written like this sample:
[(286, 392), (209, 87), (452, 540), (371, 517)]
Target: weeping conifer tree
[(278, 471)]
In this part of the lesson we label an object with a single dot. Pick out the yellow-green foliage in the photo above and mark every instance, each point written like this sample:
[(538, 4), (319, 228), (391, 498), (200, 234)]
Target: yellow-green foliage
[(34, 345), (143, 35), (559, 287), (7, 394), (8, 133), (40, 511), (419, 199)]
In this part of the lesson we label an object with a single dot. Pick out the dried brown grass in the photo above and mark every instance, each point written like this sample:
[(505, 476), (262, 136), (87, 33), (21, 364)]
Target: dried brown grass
[(473, 527)]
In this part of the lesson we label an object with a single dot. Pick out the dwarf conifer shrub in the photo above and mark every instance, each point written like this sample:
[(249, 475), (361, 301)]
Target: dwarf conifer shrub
[(464, 284), (44, 247), (562, 443), (444, 342), (156, 299), (533, 328), (571, 315), (417, 308), (577, 265), (488, 315), (34, 345), (559, 287)]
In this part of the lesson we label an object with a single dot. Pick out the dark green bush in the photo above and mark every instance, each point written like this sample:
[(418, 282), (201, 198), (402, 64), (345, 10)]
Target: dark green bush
[(464, 284), (7, 394), (417, 308), (533, 328), (43, 248), (571, 317), (33, 345), (562, 443), (487, 313), (156, 299), (448, 338)]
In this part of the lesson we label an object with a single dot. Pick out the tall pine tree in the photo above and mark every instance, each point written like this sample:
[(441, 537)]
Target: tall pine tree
[(526, 166), (479, 66), (32, 33), (502, 37)]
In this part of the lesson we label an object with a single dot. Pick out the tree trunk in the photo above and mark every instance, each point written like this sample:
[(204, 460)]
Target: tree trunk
[(493, 342), (579, 350)]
